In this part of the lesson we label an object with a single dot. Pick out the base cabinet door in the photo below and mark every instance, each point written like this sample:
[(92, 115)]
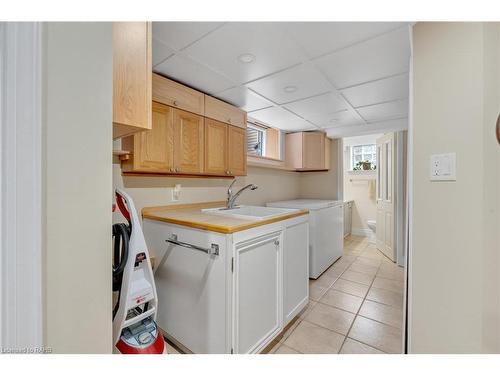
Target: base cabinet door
[(256, 293), (295, 270)]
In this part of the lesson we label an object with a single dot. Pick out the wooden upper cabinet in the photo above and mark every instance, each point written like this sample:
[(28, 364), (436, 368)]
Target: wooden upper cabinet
[(313, 146), (237, 151), (216, 147), (221, 111), (131, 77), (306, 151), (188, 142), (176, 95), (152, 150)]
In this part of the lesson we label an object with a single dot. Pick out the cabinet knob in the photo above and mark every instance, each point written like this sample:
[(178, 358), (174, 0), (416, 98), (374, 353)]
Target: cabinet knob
[(172, 170), (277, 242), (177, 169), (229, 120), (175, 103)]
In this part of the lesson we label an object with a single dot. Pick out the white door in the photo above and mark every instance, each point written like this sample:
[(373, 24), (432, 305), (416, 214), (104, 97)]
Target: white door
[(257, 296), (385, 195)]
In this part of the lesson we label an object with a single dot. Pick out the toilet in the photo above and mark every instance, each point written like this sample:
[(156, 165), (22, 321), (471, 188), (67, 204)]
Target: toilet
[(372, 224)]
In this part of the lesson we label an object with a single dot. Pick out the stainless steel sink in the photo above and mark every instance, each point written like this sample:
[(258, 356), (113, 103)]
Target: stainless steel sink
[(250, 212)]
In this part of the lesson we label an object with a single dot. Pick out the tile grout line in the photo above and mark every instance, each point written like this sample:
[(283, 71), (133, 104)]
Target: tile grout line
[(357, 314)]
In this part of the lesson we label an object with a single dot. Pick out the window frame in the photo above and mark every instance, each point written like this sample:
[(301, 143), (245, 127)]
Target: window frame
[(363, 154), (262, 131)]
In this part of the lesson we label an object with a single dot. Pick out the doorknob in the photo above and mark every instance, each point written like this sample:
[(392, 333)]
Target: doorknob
[(498, 129)]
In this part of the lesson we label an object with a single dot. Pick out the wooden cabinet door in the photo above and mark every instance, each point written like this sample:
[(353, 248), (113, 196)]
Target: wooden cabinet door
[(178, 96), (237, 151), (314, 150), (131, 77), (257, 293), (221, 111), (153, 149), (216, 149), (188, 142)]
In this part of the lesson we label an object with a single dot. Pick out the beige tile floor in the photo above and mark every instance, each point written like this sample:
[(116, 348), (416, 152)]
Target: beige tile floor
[(355, 307)]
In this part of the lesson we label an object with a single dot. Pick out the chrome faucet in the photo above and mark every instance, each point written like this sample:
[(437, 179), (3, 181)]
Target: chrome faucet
[(231, 198)]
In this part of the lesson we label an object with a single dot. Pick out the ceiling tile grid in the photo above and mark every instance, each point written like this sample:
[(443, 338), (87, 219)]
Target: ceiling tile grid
[(292, 75)]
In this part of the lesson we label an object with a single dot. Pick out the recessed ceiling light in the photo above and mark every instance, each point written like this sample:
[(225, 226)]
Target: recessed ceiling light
[(246, 58), (290, 89)]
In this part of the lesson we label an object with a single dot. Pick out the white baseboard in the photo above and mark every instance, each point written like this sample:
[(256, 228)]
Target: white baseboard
[(361, 232)]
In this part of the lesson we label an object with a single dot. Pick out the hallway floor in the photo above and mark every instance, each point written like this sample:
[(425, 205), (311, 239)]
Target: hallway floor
[(356, 307)]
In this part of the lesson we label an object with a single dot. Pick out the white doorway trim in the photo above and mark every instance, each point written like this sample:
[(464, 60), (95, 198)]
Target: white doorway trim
[(407, 317), (400, 222), (21, 241)]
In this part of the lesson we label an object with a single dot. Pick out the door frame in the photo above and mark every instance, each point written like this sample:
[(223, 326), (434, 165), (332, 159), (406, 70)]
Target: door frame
[(21, 167)]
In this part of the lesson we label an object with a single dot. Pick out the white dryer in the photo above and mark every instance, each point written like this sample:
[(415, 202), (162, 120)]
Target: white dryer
[(326, 237)]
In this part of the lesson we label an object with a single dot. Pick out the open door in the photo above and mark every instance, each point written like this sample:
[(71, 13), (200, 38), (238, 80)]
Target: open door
[(385, 195)]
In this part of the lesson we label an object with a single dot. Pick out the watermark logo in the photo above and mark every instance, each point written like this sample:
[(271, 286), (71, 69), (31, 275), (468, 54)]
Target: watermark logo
[(26, 350)]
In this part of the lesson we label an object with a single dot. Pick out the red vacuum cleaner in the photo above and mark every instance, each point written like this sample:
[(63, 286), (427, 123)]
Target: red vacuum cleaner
[(134, 327)]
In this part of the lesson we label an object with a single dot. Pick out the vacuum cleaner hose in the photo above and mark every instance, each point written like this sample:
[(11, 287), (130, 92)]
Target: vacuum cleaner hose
[(121, 235)]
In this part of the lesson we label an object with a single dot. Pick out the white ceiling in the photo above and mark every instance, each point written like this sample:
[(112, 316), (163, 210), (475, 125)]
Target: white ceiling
[(338, 75)]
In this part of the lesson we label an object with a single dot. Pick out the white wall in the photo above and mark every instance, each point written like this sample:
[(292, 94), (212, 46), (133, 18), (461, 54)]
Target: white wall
[(358, 190), (157, 191), (322, 185), (78, 178), (273, 185), (454, 261)]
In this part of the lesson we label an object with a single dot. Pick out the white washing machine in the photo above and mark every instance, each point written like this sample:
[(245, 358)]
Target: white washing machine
[(326, 231)]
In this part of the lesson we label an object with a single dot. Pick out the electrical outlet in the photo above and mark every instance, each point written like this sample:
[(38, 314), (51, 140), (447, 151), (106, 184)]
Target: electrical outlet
[(443, 167), (176, 192)]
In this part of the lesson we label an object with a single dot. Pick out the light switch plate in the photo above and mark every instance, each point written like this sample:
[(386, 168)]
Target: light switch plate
[(443, 167)]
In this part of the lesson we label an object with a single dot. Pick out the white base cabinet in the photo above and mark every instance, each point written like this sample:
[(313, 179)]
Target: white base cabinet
[(234, 302)]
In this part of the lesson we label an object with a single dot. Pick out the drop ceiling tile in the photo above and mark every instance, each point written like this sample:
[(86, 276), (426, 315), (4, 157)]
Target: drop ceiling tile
[(318, 38), (320, 107), (191, 73), (271, 46), (178, 35), (304, 79), (244, 98), (160, 51), (383, 56), (342, 118), (384, 111), (281, 119), (384, 90)]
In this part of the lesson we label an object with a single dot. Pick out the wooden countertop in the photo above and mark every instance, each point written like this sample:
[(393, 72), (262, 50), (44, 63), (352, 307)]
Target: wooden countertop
[(190, 215)]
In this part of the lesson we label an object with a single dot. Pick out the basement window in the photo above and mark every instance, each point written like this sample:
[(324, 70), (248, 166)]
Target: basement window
[(256, 136), (362, 153), (263, 141)]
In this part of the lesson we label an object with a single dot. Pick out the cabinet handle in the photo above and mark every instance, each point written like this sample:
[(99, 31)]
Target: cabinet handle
[(212, 250)]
